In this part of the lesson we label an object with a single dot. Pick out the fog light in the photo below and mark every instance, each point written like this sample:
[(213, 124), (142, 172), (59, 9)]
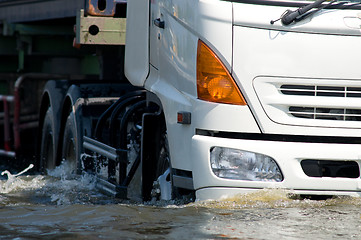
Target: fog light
[(243, 165)]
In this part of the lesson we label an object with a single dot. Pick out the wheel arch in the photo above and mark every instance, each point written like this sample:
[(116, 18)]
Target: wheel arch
[(151, 133)]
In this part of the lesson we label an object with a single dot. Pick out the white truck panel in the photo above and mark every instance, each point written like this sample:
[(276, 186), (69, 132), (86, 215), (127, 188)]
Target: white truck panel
[(310, 53)]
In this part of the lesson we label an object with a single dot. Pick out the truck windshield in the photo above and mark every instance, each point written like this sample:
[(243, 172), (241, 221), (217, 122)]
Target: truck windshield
[(297, 3), (305, 8)]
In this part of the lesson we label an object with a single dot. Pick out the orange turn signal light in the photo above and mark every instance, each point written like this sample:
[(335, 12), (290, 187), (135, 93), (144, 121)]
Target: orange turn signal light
[(214, 83)]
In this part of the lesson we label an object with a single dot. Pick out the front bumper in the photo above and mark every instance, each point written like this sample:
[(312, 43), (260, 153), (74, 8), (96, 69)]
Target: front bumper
[(288, 156)]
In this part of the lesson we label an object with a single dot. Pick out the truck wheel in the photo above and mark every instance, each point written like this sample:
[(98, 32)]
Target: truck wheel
[(70, 151), (163, 187), (47, 149)]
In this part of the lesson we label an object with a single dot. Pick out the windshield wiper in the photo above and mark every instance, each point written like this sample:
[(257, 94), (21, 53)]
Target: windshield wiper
[(290, 16)]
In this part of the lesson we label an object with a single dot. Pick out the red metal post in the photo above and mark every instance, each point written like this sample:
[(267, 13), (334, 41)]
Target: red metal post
[(6, 125)]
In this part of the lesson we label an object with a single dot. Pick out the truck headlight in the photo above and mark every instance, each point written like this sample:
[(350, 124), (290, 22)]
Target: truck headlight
[(214, 82), (243, 165)]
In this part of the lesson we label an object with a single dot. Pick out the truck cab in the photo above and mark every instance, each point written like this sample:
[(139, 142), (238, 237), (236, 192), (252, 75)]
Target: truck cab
[(269, 104)]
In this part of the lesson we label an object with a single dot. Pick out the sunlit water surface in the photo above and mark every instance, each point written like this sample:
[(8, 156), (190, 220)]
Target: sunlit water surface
[(67, 207)]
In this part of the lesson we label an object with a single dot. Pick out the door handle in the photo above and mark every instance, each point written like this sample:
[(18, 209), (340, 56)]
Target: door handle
[(159, 23)]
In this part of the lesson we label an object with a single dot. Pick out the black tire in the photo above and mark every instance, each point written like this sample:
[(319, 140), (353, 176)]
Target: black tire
[(48, 148), (70, 150), (163, 156), (164, 169)]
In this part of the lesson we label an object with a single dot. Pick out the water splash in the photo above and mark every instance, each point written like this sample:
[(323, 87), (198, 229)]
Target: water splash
[(20, 173), (275, 198), (60, 187), (13, 182), (66, 187)]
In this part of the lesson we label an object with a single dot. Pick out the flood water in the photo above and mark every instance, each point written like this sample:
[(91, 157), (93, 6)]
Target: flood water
[(63, 207)]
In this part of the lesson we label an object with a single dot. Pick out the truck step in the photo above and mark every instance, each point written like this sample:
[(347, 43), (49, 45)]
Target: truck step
[(104, 185), (111, 189), (101, 148)]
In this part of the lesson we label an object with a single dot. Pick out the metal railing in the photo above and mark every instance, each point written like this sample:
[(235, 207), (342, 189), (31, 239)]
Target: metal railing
[(10, 149)]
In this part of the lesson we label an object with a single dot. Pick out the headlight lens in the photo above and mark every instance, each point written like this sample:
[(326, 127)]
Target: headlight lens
[(243, 165)]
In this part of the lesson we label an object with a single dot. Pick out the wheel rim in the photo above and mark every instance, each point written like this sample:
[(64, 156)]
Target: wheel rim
[(163, 181), (48, 153), (47, 160), (69, 152)]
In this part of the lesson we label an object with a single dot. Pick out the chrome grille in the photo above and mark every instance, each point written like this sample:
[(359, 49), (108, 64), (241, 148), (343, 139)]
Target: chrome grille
[(326, 113), (311, 102), (325, 91), (342, 114)]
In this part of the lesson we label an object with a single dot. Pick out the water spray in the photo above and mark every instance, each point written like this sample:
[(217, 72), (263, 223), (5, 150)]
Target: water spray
[(22, 172)]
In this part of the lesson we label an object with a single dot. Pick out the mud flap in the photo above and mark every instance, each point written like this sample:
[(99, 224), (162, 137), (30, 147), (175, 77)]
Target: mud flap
[(150, 143)]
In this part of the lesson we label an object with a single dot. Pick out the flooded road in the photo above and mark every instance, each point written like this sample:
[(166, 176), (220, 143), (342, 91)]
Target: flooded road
[(63, 207)]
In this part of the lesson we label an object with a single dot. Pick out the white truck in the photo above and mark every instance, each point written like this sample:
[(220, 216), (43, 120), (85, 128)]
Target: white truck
[(226, 97)]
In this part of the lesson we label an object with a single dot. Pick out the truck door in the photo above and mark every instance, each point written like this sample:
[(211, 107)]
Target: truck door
[(137, 42), (156, 32), (162, 39), (171, 42)]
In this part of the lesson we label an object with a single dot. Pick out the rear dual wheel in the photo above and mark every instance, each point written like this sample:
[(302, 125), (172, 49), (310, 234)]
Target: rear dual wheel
[(48, 148), (70, 150)]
